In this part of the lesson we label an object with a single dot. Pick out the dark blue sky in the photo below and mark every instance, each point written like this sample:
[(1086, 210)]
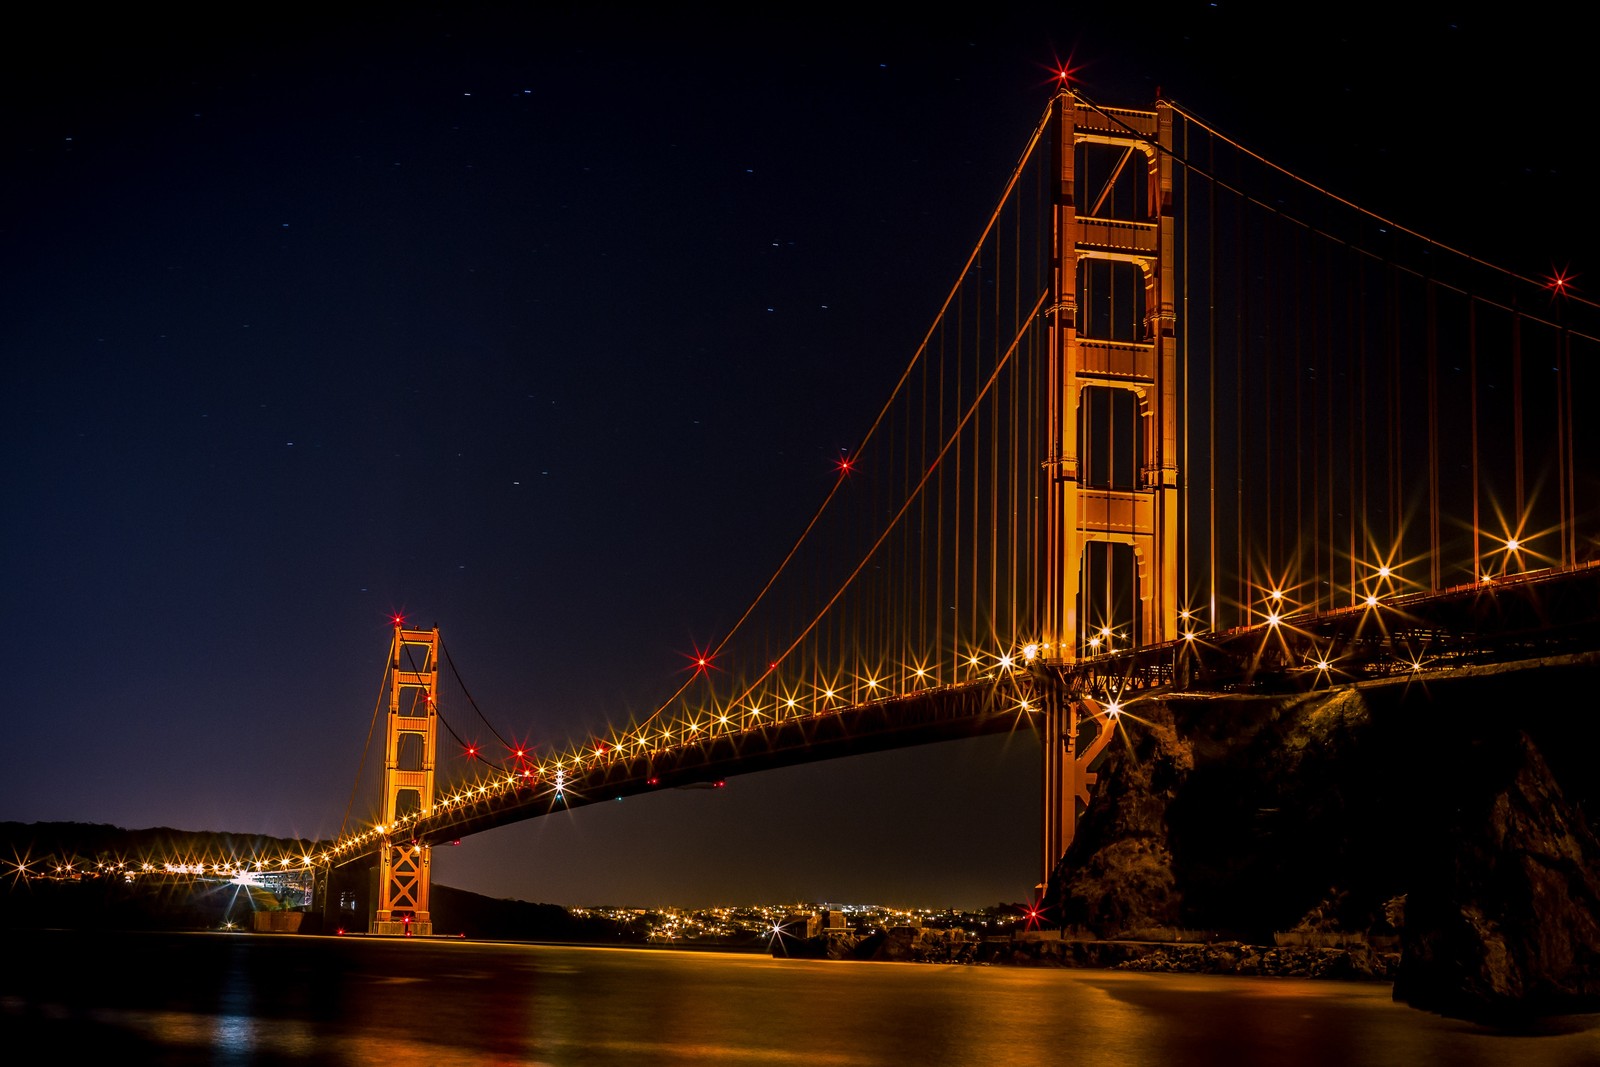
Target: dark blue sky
[(546, 330)]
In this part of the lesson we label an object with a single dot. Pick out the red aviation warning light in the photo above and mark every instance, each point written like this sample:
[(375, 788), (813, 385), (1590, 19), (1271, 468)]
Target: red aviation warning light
[(1063, 72)]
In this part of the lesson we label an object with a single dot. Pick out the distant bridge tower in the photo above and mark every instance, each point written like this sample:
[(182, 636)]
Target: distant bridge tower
[(1113, 330), (403, 865)]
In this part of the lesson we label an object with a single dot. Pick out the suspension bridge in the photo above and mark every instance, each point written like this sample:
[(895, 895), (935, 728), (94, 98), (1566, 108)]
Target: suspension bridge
[(1184, 420)]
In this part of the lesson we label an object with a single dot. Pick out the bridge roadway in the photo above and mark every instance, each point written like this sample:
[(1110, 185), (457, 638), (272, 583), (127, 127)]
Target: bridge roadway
[(1514, 618), (995, 703)]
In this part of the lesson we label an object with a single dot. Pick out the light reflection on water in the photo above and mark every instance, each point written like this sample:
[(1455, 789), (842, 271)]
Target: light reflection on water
[(243, 999)]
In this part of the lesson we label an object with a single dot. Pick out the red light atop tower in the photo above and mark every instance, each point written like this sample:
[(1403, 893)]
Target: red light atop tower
[(1061, 71)]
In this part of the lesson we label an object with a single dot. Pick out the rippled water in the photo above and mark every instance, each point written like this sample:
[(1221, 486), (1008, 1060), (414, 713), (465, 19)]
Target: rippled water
[(242, 999)]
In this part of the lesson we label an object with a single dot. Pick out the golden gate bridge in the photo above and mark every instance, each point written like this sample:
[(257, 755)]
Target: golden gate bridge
[(1184, 419)]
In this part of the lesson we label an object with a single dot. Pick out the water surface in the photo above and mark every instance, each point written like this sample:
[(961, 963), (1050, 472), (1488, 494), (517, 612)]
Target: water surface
[(244, 999)]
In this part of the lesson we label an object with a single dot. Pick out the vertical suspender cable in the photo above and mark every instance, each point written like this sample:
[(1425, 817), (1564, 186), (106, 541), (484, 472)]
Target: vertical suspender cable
[(1107, 555), (1110, 397), (1013, 456), (1211, 372), (1570, 520), (1472, 420), (1329, 434), (1083, 396), (998, 422), (1392, 387), (957, 488), (1268, 385), (1562, 470), (1316, 377), (1433, 432), (1353, 425), (1299, 405), (923, 590), (1241, 539), (974, 630), (1516, 419), (1361, 415), (933, 433)]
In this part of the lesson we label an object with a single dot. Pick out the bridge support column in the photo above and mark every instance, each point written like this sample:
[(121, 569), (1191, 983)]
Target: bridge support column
[(404, 865), (1124, 490), (1068, 780)]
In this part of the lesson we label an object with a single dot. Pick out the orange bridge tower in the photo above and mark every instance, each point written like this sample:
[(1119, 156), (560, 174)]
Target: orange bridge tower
[(1113, 346), (408, 767)]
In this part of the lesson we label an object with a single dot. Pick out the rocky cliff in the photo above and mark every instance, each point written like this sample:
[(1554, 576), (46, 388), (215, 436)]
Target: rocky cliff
[(1447, 812)]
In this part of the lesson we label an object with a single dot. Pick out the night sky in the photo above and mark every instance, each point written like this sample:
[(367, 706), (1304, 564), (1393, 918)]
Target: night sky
[(547, 330)]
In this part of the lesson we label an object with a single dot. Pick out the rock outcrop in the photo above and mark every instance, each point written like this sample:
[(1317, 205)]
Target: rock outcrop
[(1309, 818), (1503, 911)]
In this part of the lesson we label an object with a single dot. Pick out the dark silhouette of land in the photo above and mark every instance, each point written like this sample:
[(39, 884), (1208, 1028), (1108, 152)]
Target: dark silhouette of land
[(92, 876)]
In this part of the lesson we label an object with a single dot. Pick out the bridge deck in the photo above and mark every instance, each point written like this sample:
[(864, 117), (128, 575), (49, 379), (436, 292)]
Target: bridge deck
[(1521, 618)]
